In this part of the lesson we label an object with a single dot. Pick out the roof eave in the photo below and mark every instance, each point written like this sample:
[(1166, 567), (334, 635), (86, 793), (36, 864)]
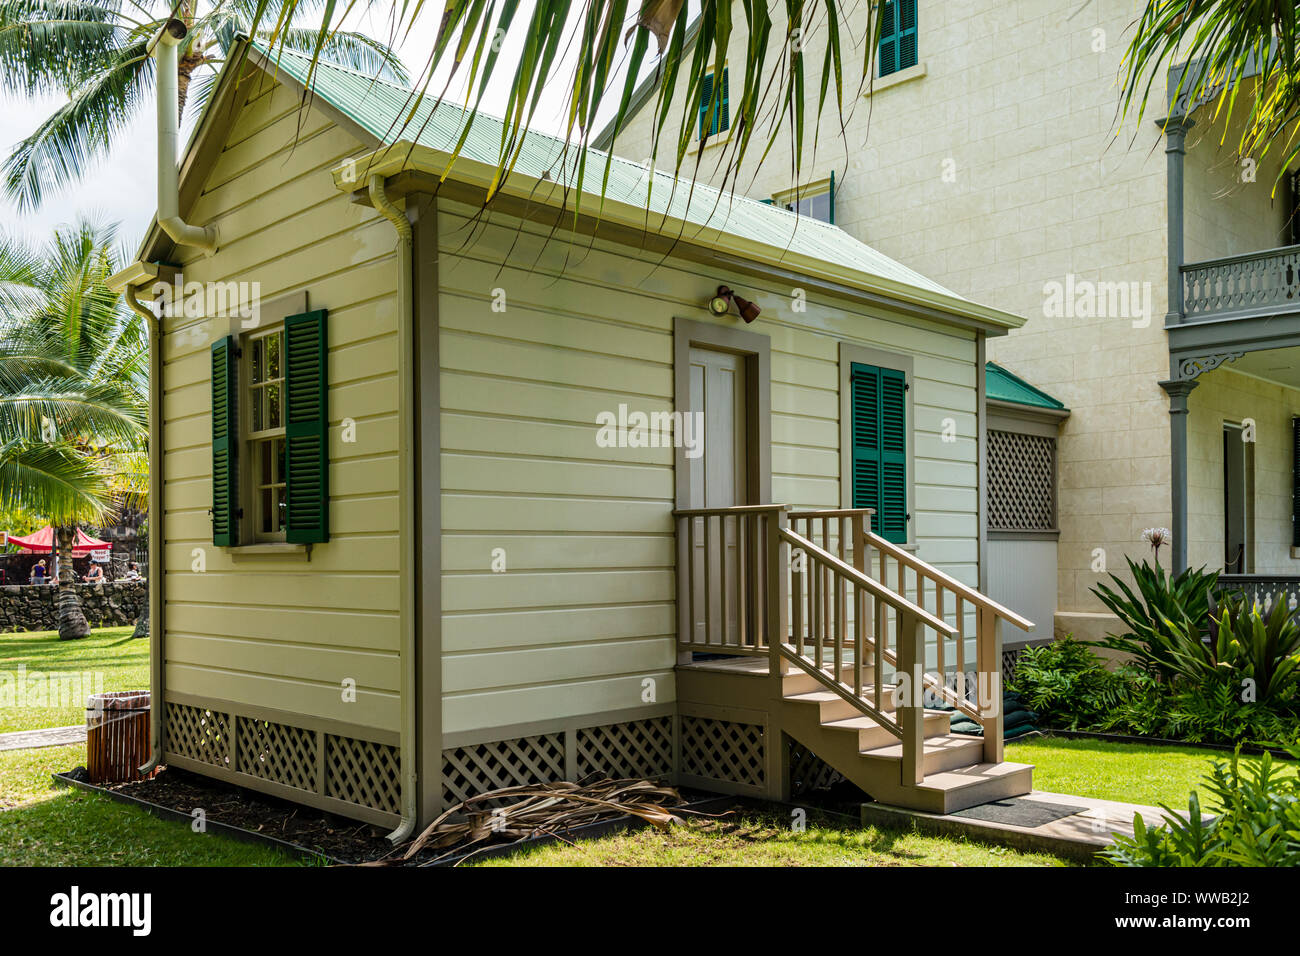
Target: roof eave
[(404, 155)]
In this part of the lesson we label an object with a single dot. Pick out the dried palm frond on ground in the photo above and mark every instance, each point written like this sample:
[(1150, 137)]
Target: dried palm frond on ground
[(542, 810)]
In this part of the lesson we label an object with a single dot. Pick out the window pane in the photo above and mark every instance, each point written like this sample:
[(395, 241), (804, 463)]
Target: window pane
[(264, 475), (273, 355), (258, 414), (279, 460), (267, 496), (258, 362), (281, 508), (273, 418)]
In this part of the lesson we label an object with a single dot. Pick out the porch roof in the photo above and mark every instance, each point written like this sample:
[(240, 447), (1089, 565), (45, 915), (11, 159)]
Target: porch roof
[(1003, 386)]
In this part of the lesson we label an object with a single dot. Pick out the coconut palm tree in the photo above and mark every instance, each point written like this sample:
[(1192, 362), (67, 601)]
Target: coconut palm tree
[(580, 48), (95, 52), (1242, 56), (73, 390)]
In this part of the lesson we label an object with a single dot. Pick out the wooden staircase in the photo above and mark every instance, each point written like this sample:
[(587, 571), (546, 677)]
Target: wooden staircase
[(858, 635), (954, 773)]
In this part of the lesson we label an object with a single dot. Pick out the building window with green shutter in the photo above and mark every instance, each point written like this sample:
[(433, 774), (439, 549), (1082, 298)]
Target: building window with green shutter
[(897, 36), (875, 429), (270, 441), (264, 357), (714, 107)]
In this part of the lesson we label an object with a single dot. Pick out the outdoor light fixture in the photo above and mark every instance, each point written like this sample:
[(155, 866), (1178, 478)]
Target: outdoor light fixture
[(720, 304)]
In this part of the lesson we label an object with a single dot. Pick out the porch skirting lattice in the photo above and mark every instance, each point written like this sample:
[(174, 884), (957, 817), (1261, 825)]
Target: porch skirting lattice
[(633, 748), (344, 774)]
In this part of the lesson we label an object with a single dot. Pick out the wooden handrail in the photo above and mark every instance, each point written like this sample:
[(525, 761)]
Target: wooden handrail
[(965, 591), (729, 510), (850, 573), (832, 513)]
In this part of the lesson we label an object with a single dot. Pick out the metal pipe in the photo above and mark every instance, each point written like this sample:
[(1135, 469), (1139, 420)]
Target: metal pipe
[(157, 715), (165, 54), (405, 329)]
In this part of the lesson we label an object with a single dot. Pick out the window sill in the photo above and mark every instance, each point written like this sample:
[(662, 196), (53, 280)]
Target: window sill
[(894, 79), (282, 548), (721, 139)]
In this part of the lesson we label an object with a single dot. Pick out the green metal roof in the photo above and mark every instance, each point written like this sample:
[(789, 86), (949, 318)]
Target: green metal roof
[(382, 107), (1002, 386)]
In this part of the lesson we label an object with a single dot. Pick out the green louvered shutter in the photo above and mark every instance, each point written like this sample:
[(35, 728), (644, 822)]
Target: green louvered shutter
[(723, 120), (306, 428), (888, 37), (906, 33), (879, 426), (225, 443), (706, 97)]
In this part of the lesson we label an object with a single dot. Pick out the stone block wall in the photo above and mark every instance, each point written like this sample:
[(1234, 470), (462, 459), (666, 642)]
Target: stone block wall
[(26, 607)]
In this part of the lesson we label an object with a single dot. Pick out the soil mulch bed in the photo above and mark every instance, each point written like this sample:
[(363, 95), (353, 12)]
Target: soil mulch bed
[(334, 838)]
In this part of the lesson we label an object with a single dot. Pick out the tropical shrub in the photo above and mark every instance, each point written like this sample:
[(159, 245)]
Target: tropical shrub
[(1067, 685), (1257, 821), (1165, 618), (1264, 650)]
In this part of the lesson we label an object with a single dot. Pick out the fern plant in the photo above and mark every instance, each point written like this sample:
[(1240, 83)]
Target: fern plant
[(1257, 824)]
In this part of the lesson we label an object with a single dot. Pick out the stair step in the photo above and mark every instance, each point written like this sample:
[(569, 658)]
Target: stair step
[(796, 680), (955, 790), (872, 735), (941, 754), (833, 707)]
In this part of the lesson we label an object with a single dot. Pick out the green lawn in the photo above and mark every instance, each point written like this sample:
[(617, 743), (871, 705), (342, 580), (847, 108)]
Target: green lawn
[(1133, 773), (44, 825), (769, 840), (108, 653)]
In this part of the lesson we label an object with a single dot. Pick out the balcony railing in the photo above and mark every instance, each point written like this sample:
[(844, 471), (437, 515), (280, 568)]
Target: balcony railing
[(1255, 283)]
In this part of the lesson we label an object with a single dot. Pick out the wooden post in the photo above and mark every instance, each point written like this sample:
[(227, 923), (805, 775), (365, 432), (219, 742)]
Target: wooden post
[(777, 761), (911, 709), (988, 659)]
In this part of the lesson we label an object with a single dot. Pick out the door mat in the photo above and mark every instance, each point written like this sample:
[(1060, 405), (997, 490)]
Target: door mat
[(1019, 812)]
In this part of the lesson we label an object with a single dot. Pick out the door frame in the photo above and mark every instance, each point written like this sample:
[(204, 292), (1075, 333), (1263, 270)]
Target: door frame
[(756, 349)]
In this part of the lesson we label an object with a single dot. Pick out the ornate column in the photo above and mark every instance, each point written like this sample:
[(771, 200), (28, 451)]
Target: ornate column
[(1178, 390), (1175, 129)]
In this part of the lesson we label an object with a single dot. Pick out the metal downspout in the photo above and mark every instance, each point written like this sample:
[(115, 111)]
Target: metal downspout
[(157, 716), (165, 56), (405, 320)]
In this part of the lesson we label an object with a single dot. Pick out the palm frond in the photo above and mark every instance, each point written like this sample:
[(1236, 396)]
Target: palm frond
[(65, 145)]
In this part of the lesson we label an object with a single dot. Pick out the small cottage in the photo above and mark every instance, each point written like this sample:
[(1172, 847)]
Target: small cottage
[(450, 497)]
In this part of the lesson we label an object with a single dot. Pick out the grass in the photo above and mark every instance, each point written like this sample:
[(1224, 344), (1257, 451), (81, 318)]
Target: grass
[(1132, 773), (42, 825), (768, 839), (109, 655)]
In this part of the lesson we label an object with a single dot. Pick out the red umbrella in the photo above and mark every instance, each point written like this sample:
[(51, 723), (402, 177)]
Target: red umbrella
[(43, 542)]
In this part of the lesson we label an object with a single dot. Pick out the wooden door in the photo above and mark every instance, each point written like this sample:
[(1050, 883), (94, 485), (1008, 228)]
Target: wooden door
[(719, 479)]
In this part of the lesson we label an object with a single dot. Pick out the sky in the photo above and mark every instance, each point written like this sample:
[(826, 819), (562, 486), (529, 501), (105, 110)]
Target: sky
[(121, 187)]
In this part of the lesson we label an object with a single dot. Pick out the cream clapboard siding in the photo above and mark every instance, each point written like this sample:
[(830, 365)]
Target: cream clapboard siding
[(584, 612), (279, 631)]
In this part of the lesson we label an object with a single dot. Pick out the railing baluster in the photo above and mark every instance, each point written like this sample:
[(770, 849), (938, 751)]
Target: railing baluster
[(724, 592), (742, 590), (690, 553), (859, 638), (838, 656), (708, 580)]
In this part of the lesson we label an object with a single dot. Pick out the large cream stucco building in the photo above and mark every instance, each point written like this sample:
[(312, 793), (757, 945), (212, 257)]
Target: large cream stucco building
[(994, 158)]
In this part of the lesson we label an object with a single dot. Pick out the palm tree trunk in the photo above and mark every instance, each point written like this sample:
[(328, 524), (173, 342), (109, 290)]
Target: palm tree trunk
[(72, 622)]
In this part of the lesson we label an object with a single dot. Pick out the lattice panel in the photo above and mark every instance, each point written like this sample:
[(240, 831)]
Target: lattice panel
[(477, 768), (361, 771), (199, 734), (808, 772), (278, 752), (1022, 482), (722, 750), (638, 748)]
